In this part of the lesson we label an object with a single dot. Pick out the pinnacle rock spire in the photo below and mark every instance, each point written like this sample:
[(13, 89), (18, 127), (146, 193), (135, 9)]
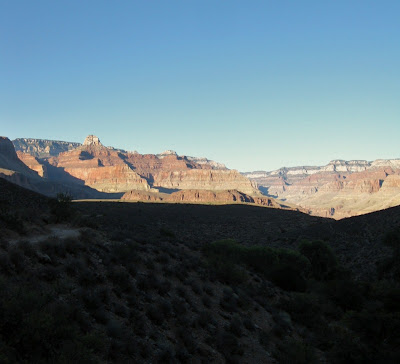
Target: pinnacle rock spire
[(92, 140)]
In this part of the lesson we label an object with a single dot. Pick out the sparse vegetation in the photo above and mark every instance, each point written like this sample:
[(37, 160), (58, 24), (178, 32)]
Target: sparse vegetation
[(118, 295)]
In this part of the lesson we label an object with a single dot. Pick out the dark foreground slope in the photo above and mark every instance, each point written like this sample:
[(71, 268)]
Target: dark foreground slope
[(147, 283), (357, 241)]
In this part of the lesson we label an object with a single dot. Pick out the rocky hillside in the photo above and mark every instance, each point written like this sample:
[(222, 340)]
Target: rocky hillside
[(106, 282), (339, 189), (38, 175)]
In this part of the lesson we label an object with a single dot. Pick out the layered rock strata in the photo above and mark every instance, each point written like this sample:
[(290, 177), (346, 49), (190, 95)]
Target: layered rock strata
[(202, 196), (42, 148), (340, 189), (110, 170), (99, 167)]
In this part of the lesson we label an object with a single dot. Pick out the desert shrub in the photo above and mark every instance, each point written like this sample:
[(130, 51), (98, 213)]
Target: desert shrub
[(166, 355), (196, 287), (288, 278), (264, 339), (322, 258), (248, 323), (149, 263), (293, 351), (388, 293), (27, 247), (163, 258), (348, 348), (286, 268), (282, 324), (374, 327), (53, 247), (179, 306), (121, 310), (17, 258), (164, 287), (182, 354), (236, 326), (206, 301), (74, 265), (346, 294), (6, 267), (207, 288), (204, 318), (91, 298), (74, 246), (389, 268), (120, 278), (12, 221), (226, 271), (304, 308), (48, 273), (185, 336), (229, 301), (87, 278), (124, 253), (115, 329), (154, 314), (61, 207), (164, 231), (101, 315), (392, 239), (228, 345), (38, 328)]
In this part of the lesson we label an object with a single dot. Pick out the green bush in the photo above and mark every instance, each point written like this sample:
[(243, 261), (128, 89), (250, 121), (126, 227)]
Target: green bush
[(293, 351), (286, 268), (61, 208), (322, 258)]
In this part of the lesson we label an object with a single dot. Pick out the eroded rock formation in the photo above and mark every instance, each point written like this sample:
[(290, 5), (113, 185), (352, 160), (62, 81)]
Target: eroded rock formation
[(110, 170), (340, 189), (202, 196), (42, 148)]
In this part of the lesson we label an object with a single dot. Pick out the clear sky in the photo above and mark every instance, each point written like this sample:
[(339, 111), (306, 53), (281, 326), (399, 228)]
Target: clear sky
[(253, 84)]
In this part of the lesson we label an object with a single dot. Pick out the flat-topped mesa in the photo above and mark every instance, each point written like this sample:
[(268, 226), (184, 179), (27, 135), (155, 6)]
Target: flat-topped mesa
[(92, 140)]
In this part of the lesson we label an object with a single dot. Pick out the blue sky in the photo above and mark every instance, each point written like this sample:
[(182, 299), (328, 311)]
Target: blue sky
[(253, 84)]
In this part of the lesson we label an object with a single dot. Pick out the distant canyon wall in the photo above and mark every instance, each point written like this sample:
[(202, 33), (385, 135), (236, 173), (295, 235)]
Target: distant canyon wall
[(339, 189)]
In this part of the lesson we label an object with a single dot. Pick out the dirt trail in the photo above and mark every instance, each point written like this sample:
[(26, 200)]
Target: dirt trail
[(58, 231)]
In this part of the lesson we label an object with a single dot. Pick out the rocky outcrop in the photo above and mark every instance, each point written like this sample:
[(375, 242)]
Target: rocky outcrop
[(13, 169), (33, 163), (9, 160), (92, 140), (101, 168), (206, 196), (42, 148), (205, 180), (144, 196), (202, 197)]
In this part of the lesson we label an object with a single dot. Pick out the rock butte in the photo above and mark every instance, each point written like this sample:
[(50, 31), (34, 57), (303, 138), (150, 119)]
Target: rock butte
[(202, 196), (110, 170)]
